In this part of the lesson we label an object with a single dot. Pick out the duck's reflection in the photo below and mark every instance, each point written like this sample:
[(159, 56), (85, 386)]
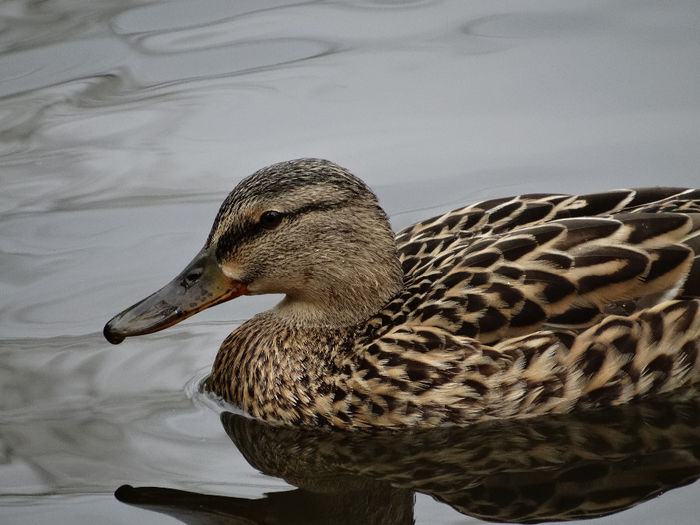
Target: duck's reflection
[(555, 468)]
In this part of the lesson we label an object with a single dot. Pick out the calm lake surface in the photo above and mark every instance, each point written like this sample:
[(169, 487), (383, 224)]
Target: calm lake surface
[(124, 124)]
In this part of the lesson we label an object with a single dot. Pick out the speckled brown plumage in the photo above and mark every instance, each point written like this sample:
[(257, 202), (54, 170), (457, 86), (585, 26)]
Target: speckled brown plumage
[(507, 308), (502, 314)]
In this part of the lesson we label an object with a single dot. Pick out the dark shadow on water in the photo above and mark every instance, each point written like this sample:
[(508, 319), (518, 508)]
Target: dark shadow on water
[(551, 468)]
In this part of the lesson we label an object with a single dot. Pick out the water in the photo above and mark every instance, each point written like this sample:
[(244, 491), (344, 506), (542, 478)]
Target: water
[(123, 124)]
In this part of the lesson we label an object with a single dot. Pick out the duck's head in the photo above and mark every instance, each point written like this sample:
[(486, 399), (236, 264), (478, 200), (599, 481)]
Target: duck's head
[(305, 228)]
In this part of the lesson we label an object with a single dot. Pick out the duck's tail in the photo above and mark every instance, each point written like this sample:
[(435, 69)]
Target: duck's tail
[(652, 351), (618, 359)]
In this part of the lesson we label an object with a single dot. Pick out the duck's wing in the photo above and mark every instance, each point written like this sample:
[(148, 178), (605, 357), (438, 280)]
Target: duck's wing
[(431, 377), (512, 313), (503, 277)]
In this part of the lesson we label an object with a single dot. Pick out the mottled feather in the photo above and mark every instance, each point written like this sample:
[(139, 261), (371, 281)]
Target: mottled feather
[(512, 307)]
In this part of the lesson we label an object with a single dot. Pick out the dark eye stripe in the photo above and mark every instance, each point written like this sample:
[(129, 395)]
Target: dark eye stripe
[(244, 232)]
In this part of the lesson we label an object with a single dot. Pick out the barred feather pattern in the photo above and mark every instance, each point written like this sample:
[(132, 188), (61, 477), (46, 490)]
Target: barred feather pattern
[(510, 308)]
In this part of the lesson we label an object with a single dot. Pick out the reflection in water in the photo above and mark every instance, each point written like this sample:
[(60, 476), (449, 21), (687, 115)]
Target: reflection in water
[(526, 471), (372, 503)]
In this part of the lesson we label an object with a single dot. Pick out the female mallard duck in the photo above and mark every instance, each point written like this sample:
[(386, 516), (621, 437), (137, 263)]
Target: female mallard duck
[(507, 308)]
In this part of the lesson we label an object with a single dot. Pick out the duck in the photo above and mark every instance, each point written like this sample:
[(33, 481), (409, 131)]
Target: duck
[(508, 308)]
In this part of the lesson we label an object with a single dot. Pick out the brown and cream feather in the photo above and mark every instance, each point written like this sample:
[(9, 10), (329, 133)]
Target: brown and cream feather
[(507, 308)]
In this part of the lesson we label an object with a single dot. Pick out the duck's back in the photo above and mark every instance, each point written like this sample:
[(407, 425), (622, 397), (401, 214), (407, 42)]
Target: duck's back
[(507, 267)]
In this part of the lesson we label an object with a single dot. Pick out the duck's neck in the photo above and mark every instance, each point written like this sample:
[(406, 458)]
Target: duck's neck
[(287, 364), (341, 304), (280, 371)]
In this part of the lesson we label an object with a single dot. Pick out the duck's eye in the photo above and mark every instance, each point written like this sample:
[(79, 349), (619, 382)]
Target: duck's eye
[(270, 219), (192, 277)]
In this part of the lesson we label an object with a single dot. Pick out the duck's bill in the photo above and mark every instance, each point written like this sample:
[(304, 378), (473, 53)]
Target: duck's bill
[(201, 285)]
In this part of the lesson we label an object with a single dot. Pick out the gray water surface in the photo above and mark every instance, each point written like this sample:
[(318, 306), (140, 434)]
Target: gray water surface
[(124, 124)]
